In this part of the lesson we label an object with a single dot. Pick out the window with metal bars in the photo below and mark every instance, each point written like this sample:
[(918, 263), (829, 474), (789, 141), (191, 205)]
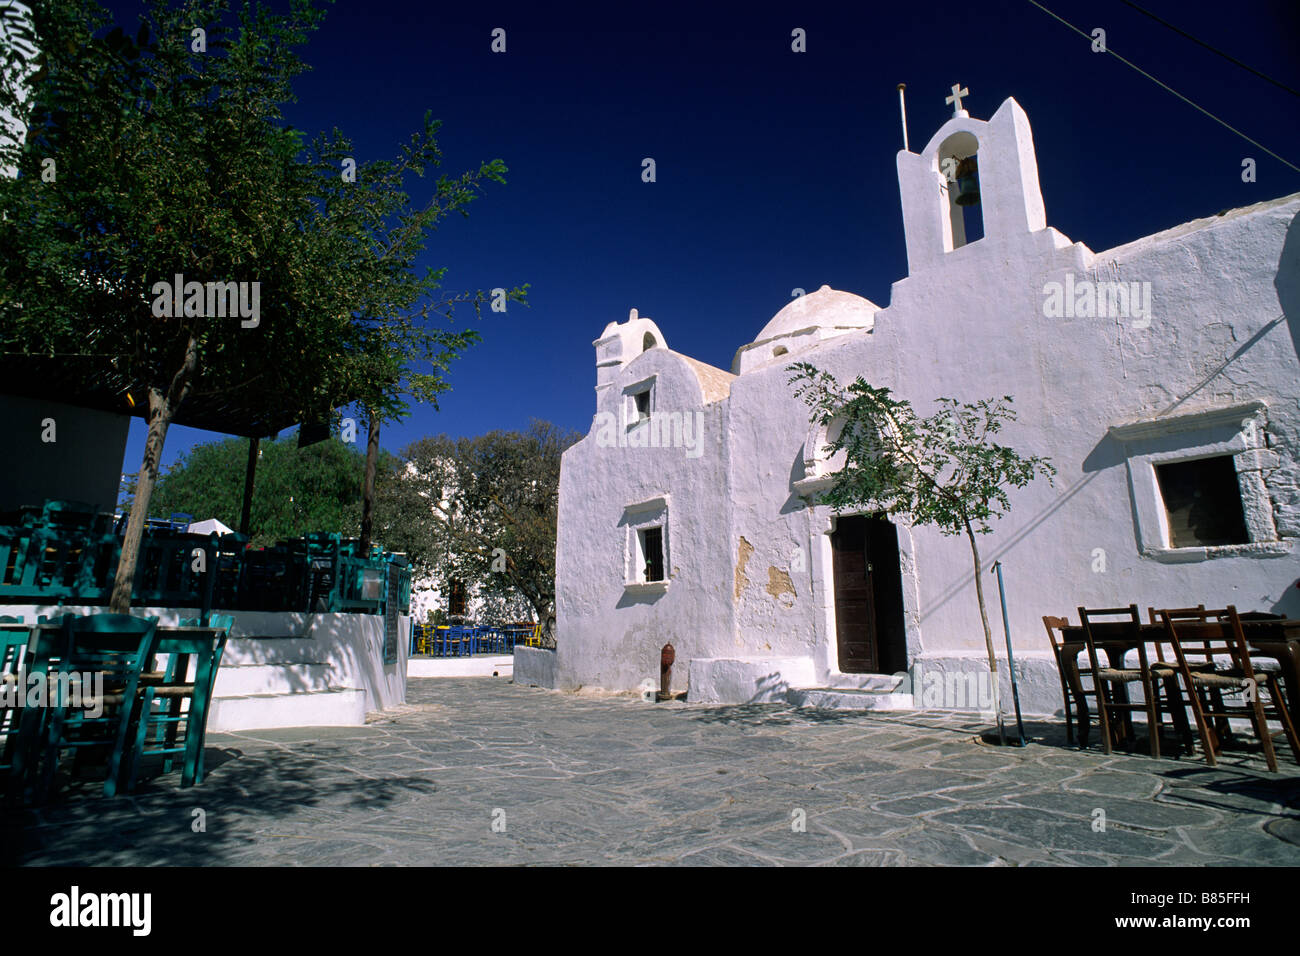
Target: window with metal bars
[(652, 548)]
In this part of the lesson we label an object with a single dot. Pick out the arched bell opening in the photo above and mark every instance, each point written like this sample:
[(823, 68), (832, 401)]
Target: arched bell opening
[(958, 166)]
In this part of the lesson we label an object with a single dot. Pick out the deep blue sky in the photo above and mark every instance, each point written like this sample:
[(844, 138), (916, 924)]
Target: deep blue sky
[(776, 170)]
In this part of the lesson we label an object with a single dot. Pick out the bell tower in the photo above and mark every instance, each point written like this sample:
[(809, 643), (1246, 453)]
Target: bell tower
[(619, 344), (973, 180)]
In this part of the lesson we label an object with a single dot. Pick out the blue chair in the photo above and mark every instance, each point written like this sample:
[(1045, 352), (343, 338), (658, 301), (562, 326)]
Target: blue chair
[(114, 649), (464, 635)]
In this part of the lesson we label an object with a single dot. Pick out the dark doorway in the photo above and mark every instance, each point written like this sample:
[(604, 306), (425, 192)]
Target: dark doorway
[(868, 596)]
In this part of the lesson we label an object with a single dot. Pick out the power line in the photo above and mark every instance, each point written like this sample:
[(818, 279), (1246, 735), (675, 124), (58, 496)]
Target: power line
[(1170, 89), (1228, 57)]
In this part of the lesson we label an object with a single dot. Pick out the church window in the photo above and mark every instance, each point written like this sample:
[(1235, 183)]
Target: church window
[(648, 545), (640, 399), (1202, 502), (1197, 483), (648, 342), (780, 350), (652, 552)]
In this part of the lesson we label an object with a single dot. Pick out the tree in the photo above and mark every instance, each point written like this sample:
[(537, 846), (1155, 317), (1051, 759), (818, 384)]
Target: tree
[(943, 470), (483, 509), (173, 159), (317, 488)]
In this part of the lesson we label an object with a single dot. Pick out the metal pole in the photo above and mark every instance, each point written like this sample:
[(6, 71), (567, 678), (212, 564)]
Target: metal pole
[(902, 109), (1011, 661), (254, 445)]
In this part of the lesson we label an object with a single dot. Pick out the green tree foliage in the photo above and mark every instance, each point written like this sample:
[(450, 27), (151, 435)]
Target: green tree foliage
[(482, 510), (317, 488), (173, 157), (944, 470)]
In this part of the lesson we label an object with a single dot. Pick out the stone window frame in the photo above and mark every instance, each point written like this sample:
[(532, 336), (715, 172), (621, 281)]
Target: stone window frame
[(637, 517), (1235, 430)]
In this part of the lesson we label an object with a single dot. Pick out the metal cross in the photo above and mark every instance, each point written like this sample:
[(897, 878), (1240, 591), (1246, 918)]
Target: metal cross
[(955, 99)]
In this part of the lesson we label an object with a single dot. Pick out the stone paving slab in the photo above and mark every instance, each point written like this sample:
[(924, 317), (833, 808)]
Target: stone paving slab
[(482, 772)]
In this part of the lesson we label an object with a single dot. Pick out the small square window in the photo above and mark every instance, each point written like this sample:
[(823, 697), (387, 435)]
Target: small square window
[(652, 551), (647, 561), (639, 403), (1202, 502)]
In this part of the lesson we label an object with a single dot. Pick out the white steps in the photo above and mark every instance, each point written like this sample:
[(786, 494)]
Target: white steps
[(333, 707), (882, 683), (839, 698), (264, 684), (239, 680)]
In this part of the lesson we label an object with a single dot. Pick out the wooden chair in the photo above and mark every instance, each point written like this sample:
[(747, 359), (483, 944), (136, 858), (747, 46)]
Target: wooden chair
[(1167, 673), (13, 644), (108, 647), (159, 709), (28, 724), (1199, 649), (1053, 626), (1111, 681), (1201, 660)]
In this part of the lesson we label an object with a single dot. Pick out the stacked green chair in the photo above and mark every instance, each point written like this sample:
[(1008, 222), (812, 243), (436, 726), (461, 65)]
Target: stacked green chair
[(26, 727), (117, 647), (159, 715), (13, 642)]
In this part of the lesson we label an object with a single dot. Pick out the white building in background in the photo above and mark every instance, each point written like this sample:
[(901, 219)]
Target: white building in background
[(467, 599), (1160, 378), (16, 33)]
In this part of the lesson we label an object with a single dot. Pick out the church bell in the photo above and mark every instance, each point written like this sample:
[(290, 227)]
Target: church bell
[(968, 183)]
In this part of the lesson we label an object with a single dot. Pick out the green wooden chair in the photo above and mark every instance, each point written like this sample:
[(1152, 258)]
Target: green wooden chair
[(115, 646), (159, 715), (27, 724), (13, 643)]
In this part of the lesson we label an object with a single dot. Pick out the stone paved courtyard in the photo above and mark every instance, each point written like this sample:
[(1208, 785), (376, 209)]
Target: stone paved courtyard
[(584, 780)]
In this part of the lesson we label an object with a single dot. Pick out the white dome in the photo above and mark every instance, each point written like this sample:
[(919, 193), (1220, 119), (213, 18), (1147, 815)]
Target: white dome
[(803, 323), (826, 308)]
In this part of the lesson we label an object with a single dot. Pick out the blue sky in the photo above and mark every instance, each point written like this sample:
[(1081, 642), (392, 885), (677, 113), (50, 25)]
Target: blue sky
[(775, 169)]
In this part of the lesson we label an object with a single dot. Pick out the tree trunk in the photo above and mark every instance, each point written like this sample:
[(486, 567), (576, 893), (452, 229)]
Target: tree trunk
[(548, 628), (988, 633), (162, 409), (368, 482)]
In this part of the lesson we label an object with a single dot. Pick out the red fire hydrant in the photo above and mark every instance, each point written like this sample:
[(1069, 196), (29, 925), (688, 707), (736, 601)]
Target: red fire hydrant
[(666, 658)]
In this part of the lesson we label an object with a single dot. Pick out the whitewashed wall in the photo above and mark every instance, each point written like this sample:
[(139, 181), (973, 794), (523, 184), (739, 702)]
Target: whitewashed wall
[(968, 323)]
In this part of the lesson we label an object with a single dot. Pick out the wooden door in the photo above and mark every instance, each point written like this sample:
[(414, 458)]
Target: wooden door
[(855, 612)]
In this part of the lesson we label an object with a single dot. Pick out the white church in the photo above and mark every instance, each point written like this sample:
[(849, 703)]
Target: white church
[(1160, 378)]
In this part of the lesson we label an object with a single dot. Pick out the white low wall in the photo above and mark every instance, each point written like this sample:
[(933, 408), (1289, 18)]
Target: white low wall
[(534, 667), (961, 683), (488, 665), (719, 680), (295, 653)]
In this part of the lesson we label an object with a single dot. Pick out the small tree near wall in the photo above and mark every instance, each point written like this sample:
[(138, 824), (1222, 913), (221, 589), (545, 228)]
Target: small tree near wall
[(945, 470)]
